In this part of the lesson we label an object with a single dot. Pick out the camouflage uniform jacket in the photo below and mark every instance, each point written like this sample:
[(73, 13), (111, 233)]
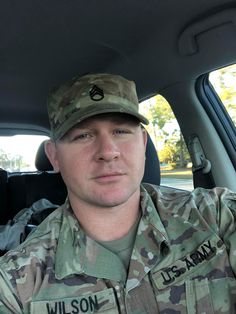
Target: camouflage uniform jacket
[(183, 261)]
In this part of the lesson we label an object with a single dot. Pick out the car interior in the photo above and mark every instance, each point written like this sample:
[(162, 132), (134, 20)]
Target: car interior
[(167, 47)]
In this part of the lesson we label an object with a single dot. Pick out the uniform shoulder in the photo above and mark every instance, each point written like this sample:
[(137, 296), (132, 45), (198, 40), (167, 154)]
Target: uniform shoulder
[(170, 193), (165, 192), (206, 201)]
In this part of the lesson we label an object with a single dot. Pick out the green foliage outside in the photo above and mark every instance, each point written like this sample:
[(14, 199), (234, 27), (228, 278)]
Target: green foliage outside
[(224, 82), (164, 130)]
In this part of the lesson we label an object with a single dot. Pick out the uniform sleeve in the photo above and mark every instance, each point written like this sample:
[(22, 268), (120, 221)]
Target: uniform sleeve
[(9, 302), (226, 212)]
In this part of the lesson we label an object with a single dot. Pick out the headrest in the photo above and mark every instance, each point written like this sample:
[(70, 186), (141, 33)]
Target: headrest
[(152, 166), (42, 162)]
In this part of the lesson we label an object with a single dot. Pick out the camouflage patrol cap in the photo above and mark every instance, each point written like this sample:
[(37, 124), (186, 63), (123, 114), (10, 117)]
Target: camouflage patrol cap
[(90, 95)]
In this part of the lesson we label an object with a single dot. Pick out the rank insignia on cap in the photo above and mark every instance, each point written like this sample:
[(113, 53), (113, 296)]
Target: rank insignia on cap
[(96, 93)]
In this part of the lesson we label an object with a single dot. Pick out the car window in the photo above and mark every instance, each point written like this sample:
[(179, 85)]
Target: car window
[(17, 153), (224, 81), (175, 162)]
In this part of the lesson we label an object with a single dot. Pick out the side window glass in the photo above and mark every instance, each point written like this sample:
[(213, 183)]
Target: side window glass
[(175, 162), (17, 153), (224, 82)]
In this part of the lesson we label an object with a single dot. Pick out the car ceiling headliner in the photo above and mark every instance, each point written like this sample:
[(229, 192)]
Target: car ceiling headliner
[(44, 43)]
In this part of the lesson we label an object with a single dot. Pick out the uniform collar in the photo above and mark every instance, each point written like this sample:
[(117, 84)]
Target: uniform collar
[(70, 243), (79, 254), (152, 243), (151, 216)]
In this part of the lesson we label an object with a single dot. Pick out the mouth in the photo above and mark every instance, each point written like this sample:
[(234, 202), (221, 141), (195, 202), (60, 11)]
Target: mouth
[(109, 177)]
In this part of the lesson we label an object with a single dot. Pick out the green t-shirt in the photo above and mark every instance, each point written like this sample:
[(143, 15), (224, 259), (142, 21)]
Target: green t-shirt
[(123, 247)]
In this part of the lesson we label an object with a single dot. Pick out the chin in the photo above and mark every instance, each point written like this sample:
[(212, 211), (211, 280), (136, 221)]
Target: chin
[(116, 199)]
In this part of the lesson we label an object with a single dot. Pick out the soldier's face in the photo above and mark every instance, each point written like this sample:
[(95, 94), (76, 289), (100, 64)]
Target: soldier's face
[(101, 160)]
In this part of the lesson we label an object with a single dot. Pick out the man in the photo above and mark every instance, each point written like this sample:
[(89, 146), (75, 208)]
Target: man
[(116, 246)]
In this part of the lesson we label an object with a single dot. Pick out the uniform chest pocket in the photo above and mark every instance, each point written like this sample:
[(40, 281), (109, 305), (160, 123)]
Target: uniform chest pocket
[(211, 296), (200, 282), (100, 302), (197, 297)]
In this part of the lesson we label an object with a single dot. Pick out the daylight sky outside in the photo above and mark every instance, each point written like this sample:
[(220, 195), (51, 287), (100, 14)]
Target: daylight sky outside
[(24, 145)]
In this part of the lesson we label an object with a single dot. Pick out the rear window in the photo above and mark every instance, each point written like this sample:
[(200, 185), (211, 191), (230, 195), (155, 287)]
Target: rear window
[(17, 153)]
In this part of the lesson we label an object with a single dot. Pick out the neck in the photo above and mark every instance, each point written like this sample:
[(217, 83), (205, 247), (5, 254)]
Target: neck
[(107, 224)]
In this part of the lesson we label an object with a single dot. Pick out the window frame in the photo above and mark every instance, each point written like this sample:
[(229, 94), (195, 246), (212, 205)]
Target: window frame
[(218, 115)]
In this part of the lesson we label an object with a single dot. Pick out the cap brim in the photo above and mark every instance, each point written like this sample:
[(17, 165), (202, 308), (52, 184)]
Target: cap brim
[(81, 115)]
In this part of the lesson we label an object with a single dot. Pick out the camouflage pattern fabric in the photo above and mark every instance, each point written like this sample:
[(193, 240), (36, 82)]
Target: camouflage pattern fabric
[(89, 95), (183, 261)]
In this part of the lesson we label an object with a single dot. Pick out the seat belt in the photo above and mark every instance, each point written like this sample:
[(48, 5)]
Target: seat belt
[(202, 175)]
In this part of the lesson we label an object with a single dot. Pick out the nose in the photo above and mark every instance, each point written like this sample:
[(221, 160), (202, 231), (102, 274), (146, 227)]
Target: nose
[(107, 149)]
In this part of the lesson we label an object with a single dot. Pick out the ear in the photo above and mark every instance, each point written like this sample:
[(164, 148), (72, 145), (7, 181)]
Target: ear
[(51, 152), (144, 137)]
